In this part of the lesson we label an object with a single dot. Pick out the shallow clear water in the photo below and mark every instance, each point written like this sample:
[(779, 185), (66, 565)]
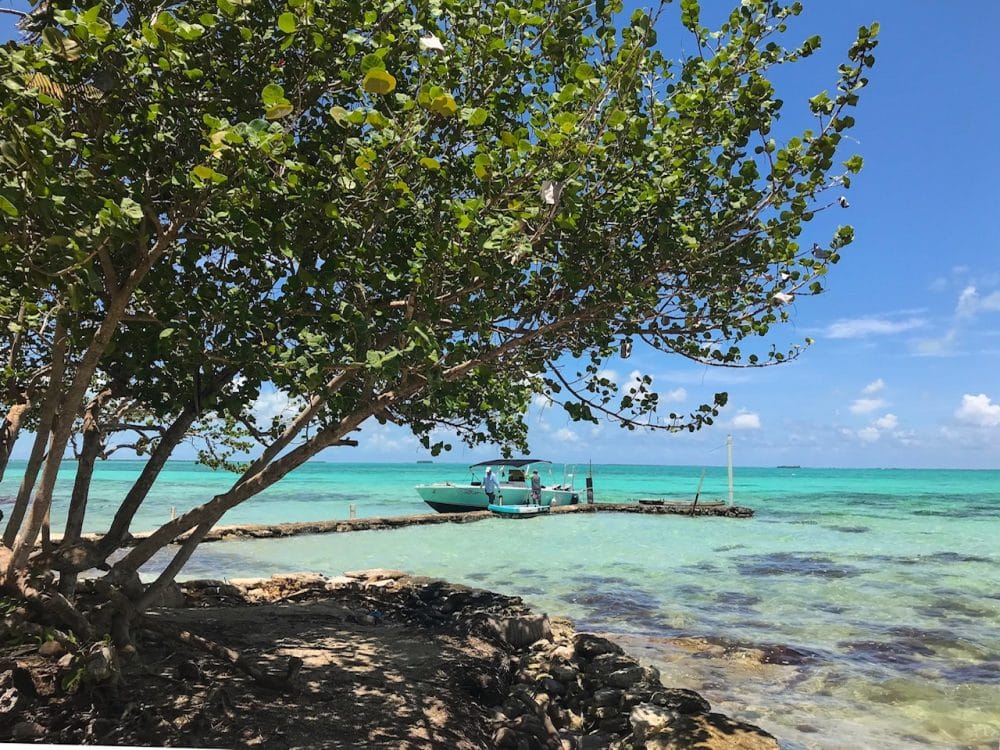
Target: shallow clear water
[(874, 596)]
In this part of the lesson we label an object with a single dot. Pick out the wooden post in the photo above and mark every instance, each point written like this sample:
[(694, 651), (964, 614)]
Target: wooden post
[(729, 452), (590, 485), (352, 510)]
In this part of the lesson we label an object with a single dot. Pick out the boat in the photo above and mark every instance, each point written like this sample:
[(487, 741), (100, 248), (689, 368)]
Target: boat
[(515, 488), (517, 511)]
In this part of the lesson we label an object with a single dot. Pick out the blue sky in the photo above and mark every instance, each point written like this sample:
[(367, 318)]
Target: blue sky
[(904, 369)]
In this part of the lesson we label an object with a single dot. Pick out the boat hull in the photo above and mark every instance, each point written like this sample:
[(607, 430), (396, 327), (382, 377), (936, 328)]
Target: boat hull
[(457, 498)]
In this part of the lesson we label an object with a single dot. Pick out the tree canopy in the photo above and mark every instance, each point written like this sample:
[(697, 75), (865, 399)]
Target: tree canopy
[(419, 213)]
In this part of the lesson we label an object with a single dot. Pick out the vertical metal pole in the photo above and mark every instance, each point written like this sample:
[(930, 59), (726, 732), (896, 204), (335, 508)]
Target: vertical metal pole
[(353, 510), (729, 452), (590, 485)]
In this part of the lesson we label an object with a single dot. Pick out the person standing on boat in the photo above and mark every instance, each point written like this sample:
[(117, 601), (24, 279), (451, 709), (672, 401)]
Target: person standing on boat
[(536, 487), (490, 486)]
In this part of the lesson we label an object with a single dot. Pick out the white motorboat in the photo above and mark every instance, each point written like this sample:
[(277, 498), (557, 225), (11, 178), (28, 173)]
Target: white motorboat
[(515, 487)]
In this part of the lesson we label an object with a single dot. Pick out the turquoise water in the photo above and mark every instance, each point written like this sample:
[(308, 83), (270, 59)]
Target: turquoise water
[(858, 608)]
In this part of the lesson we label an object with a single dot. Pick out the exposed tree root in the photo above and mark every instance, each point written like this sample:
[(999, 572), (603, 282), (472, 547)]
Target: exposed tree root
[(282, 682)]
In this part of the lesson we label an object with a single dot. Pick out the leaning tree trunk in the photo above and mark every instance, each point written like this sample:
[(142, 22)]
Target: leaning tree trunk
[(9, 430), (50, 406)]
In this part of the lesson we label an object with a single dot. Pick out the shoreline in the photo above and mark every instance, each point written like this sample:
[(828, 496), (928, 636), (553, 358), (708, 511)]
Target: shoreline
[(450, 665)]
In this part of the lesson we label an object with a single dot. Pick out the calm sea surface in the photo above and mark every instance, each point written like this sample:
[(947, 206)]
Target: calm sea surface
[(858, 608)]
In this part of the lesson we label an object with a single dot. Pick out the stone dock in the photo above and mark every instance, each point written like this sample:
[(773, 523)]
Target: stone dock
[(280, 530)]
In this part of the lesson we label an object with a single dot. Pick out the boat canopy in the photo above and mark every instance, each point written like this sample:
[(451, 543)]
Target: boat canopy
[(515, 462)]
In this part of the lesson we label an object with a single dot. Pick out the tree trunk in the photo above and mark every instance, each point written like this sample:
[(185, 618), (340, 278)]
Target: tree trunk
[(50, 405), (81, 490), (9, 429), (85, 370), (138, 492)]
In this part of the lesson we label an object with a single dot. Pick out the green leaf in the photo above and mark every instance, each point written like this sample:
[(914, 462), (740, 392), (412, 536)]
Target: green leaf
[(378, 81), (287, 23), (167, 332), (430, 163), (443, 105), (203, 172), (476, 117), (131, 209), (282, 109), (272, 94), (584, 72), (8, 208), (340, 115)]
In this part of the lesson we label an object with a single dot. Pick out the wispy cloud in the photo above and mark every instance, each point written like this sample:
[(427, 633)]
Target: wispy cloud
[(746, 420), (857, 328), (866, 405), (566, 435), (887, 422), (868, 434), (874, 387), (676, 396)]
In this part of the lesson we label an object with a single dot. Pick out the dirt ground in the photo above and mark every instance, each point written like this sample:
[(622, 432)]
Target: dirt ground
[(366, 679)]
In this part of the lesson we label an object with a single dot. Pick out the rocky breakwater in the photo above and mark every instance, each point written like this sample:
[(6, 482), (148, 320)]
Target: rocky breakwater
[(547, 686)]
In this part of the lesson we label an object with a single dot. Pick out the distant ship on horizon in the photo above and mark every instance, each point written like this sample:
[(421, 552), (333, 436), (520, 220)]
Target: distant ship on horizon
[(788, 466)]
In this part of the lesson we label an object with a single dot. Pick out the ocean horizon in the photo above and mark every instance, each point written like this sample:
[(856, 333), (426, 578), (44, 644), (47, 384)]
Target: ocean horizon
[(858, 607)]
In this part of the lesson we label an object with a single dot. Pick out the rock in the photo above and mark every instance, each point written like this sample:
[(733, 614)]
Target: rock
[(300, 580), (520, 631), (506, 737), (171, 597), (66, 661), (651, 675), (681, 700), (11, 701), (607, 697), (375, 574), (564, 672), (102, 665), (51, 649), (589, 645), (562, 652), (623, 678), (27, 730), (337, 582), (604, 664), (595, 742), (641, 693), (648, 719), (553, 687), (706, 731)]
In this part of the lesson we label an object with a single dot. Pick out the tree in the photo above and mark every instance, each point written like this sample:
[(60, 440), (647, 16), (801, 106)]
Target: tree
[(416, 214)]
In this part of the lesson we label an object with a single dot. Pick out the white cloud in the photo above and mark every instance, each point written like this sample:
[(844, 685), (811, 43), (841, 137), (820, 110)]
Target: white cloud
[(874, 387), (746, 420), (541, 401), (567, 435), (887, 422), (271, 405), (866, 405), (940, 347), (676, 396), (855, 328), (868, 434), (968, 303), (979, 410)]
